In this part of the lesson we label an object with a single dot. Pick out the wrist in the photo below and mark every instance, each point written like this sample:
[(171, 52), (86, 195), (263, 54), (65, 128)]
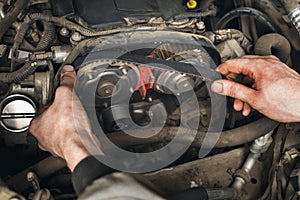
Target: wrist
[(74, 153)]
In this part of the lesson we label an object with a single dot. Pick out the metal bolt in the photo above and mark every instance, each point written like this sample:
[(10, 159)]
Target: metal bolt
[(32, 177), (124, 71), (76, 37), (201, 26), (35, 36), (90, 76), (193, 184), (64, 32), (108, 91)]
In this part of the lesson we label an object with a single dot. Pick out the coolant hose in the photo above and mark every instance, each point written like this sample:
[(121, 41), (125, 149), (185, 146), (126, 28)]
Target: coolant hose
[(273, 44), (230, 138), (11, 16), (259, 16)]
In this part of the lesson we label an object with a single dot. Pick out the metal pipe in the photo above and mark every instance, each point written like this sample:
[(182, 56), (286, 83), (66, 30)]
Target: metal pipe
[(294, 16), (258, 147), (2, 13)]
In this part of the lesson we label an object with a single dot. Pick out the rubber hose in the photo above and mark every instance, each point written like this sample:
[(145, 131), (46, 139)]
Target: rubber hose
[(20, 35), (48, 34), (82, 30), (192, 194), (273, 44), (29, 20), (230, 138), (12, 16), (70, 25), (19, 75), (29, 67), (259, 16), (203, 194), (290, 5), (91, 33)]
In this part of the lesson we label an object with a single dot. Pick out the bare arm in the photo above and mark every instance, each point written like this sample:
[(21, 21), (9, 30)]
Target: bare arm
[(55, 127)]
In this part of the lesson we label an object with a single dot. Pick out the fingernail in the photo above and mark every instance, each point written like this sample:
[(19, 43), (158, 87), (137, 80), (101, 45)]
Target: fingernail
[(217, 87), (68, 68)]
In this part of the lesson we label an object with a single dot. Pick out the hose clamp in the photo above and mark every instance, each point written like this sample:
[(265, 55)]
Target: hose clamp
[(294, 16)]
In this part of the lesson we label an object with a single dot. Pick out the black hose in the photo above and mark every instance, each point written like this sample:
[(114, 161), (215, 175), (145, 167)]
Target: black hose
[(29, 67), (48, 33), (75, 27), (230, 138), (11, 16), (203, 194), (259, 16), (192, 194), (273, 44), (290, 5), (19, 75), (44, 169), (29, 20)]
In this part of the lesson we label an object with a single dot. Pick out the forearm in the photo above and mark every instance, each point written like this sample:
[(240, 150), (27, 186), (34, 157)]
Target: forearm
[(87, 171), (92, 179), (283, 100)]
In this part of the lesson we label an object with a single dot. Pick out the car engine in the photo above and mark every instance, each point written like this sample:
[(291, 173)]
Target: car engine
[(148, 65)]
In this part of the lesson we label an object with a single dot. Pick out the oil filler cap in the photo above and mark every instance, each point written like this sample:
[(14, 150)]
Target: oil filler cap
[(17, 111)]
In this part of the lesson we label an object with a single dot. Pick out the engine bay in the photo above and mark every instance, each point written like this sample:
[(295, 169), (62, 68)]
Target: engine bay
[(148, 65)]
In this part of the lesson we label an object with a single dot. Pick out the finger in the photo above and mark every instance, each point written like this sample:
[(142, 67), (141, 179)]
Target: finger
[(247, 81), (68, 76), (238, 105), (272, 57), (238, 66), (41, 147), (247, 65), (231, 76), (246, 110), (234, 90)]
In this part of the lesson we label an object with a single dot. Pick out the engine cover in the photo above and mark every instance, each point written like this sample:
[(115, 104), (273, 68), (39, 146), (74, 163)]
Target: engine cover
[(112, 12)]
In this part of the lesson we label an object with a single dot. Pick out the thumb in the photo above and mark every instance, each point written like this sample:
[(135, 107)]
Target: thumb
[(234, 90), (68, 76)]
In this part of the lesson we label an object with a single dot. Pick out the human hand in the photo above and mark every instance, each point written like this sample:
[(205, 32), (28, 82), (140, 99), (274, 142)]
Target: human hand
[(275, 88), (55, 128)]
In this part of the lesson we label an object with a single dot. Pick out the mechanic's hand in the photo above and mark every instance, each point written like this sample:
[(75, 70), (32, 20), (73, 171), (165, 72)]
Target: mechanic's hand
[(275, 88), (55, 127)]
